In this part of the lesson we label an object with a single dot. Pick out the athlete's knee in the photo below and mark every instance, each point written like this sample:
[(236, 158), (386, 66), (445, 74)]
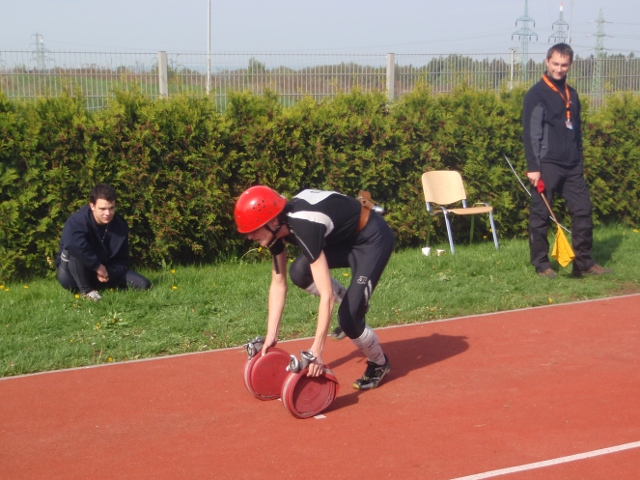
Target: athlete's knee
[(300, 272), (352, 323)]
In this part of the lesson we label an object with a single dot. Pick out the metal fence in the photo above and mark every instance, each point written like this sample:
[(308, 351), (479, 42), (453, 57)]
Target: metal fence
[(96, 76)]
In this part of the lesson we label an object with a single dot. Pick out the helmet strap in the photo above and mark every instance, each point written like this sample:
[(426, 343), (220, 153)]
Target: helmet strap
[(274, 233), (273, 241)]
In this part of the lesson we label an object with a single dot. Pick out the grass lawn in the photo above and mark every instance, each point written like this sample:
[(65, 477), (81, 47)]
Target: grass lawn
[(190, 309)]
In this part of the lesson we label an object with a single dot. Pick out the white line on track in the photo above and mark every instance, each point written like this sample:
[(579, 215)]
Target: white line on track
[(547, 463)]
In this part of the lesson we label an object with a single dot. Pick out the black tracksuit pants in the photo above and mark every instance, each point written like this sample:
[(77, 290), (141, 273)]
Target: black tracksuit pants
[(74, 276), (367, 256), (572, 186)]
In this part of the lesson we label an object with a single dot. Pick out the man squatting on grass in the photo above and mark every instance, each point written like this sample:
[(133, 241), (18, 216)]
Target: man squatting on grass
[(94, 248), (552, 139), (332, 230)]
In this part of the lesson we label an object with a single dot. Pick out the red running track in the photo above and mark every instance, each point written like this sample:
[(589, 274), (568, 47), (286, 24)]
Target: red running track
[(465, 397)]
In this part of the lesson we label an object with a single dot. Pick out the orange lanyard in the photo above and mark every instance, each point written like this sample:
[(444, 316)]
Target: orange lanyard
[(566, 100)]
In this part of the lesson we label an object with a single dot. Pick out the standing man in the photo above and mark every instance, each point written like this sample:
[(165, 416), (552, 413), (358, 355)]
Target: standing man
[(94, 248), (553, 149), (333, 231)]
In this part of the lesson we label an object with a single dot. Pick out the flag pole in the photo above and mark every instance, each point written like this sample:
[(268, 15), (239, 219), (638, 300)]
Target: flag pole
[(553, 217)]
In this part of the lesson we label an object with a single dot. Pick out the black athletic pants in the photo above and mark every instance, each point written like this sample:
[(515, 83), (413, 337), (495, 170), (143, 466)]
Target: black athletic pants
[(572, 186), (367, 256)]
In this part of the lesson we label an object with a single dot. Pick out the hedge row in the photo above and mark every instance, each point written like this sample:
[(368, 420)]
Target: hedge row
[(178, 164)]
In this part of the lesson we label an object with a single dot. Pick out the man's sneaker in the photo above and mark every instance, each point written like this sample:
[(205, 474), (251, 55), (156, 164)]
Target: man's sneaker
[(547, 273), (338, 333), (595, 270), (373, 375), (92, 295)]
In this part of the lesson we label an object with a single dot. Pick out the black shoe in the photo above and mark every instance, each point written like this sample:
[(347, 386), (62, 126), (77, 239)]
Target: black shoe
[(547, 273), (373, 375), (338, 333), (595, 270)]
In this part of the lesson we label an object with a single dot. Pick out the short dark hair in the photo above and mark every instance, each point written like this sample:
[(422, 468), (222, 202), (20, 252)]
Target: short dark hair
[(103, 191), (563, 49)]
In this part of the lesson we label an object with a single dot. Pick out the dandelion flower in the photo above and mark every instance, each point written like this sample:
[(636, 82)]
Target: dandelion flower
[(550, 300), (173, 271), (110, 359), (1, 287), (635, 230), (25, 287), (175, 287), (76, 296), (345, 274), (259, 249)]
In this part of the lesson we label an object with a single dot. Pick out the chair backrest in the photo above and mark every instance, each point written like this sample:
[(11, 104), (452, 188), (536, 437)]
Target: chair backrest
[(443, 187)]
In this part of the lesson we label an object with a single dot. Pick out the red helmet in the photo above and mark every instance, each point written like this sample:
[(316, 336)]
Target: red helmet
[(256, 206)]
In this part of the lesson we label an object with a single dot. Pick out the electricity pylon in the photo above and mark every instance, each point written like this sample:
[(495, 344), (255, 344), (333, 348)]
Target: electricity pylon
[(525, 34), (597, 85), (560, 30), (39, 53)]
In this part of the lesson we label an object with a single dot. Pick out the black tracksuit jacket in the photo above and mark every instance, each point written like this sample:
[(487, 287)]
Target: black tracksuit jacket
[(82, 239), (546, 137)]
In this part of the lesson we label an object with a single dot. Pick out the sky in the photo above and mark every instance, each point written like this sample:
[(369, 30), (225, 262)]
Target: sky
[(312, 26)]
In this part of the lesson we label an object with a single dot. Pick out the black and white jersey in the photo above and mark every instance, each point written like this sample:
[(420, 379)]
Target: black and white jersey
[(317, 219)]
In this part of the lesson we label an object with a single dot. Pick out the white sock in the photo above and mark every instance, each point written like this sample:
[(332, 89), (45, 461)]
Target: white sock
[(339, 290), (313, 290), (369, 345)]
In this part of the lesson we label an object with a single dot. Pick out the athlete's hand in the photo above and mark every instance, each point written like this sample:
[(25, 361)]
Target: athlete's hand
[(269, 341), (316, 368)]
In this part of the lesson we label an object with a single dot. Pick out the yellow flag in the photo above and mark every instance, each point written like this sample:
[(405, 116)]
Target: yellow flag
[(562, 250)]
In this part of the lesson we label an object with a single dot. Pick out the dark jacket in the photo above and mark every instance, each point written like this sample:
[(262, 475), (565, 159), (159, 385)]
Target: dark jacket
[(82, 239), (545, 135)]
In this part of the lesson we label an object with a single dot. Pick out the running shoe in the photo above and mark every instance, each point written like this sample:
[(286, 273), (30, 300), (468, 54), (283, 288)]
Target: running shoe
[(373, 375)]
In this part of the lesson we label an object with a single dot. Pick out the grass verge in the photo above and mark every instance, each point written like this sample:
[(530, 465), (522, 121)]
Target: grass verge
[(190, 309)]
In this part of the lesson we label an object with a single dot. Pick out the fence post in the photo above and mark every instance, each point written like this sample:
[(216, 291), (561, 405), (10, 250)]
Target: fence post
[(163, 74), (513, 51), (391, 75)]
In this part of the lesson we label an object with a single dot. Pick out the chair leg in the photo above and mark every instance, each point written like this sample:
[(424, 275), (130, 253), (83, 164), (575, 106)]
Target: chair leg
[(446, 218), (473, 218), (493, 230)]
